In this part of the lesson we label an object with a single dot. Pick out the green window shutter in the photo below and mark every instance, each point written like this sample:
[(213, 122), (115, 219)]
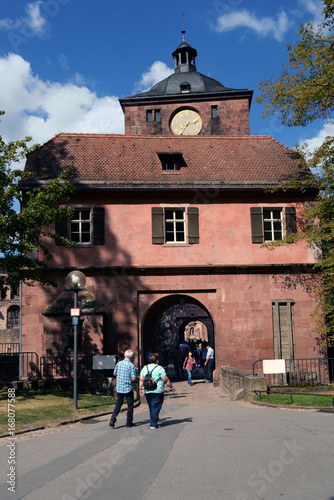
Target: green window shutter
[(98, 226), (158, 226), (290, 220), (61, 229), (256, 224), (193, 226)]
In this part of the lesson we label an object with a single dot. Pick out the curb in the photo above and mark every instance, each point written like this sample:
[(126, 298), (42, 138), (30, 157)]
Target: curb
[(328, 409)]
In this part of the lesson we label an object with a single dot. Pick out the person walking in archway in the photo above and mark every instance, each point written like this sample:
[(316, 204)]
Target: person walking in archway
[(208, 365), (188, 365)]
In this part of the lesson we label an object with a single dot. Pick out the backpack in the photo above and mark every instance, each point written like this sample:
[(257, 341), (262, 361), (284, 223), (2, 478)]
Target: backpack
[(149, 384)]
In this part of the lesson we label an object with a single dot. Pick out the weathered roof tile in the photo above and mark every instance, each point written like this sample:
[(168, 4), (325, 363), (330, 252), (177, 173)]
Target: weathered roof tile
[(119, 160)]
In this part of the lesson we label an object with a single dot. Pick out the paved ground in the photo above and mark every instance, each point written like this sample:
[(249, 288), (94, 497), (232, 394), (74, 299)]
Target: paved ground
[(207, 448)]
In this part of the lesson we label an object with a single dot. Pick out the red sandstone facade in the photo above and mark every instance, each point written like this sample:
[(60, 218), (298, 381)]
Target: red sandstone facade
[(177, 220)]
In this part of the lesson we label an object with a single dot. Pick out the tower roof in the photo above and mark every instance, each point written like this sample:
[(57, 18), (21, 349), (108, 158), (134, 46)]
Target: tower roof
[(186, 80)]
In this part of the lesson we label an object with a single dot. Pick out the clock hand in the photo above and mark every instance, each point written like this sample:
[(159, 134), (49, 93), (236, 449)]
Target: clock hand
[(183, 127)]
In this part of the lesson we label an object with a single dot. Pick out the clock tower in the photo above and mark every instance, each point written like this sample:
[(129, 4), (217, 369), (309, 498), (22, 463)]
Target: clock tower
[(188, 103)]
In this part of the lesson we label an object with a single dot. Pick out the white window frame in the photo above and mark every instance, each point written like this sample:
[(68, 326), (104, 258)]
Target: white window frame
[(272, 221), (174, 221), (80, 221)]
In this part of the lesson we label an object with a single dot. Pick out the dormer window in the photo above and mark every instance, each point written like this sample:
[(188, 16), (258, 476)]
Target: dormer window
[(171, 162), (185, 87)]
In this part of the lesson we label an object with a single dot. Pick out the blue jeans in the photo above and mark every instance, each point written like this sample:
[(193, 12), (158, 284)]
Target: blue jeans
[(154, 401), (119, 403), (189, 376)]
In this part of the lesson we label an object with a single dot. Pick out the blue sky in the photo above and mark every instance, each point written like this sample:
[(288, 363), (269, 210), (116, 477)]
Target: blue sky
[(65, 63)]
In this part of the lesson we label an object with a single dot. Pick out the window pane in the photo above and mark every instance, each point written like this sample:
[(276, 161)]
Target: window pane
[(276, 214), (85, 227), (179, 214), (85, 238), (85, 214), (157, 115), (75, 227), (180, 237), (266, 214), (169, 214)]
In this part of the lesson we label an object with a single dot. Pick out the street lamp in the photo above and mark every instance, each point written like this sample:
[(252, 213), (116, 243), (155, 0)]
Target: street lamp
[(75, 281)]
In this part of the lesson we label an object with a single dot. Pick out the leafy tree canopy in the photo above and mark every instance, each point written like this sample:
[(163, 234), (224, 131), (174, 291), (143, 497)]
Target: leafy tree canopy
[(23, 253), (303, 93), (305, 90)]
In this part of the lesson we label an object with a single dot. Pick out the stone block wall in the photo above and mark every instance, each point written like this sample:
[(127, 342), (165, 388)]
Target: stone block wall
[(241, 383)]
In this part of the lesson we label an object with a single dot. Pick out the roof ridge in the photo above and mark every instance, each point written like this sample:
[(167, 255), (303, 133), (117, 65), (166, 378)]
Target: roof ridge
[(166, 136)]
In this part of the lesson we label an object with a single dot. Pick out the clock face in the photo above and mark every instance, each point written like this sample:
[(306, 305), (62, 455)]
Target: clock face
[(186, 122)]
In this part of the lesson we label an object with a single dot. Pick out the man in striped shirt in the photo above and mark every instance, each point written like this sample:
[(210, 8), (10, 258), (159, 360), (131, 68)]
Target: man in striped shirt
[(125, 373)]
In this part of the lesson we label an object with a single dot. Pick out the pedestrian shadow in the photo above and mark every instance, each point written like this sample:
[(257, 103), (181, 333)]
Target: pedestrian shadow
[(166, 421), (179, 395), (175, 421)]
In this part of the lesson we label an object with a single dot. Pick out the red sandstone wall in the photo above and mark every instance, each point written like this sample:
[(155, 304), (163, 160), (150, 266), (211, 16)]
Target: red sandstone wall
[(225, 239), (240, 307), (233, 117)]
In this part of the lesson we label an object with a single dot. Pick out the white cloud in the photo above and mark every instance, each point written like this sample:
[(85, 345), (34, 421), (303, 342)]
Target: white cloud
[(33, 24), (42, 109), (264, 26), (62, 60), (315, 8), (157, 72), (316, 141), (35, 20)]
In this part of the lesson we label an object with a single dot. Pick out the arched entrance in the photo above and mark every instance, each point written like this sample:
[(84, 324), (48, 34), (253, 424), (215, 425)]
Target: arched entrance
[(169, 321)]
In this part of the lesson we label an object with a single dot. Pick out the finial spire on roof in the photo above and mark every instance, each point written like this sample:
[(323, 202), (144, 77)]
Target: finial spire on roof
[(183, 30)]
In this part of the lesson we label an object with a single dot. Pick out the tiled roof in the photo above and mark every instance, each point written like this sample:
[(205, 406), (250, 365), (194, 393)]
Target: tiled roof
[(123, 161)]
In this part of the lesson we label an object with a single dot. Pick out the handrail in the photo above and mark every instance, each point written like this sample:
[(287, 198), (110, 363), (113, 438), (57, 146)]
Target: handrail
[(315, 371)]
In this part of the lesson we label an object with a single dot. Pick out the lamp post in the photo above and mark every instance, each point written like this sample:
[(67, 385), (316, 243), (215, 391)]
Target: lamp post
[(75, 281)]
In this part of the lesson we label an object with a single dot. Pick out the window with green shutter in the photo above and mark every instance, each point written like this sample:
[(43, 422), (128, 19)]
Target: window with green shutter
[(267, 223), (85, 228), (175, 225)]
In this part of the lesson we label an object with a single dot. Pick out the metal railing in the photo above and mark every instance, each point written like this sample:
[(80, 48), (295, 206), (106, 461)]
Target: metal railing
[(52, 367), (9, 347), (14, 366), (302, 371)]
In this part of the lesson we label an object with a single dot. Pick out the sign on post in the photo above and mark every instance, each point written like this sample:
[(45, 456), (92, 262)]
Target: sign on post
[(75, 311), (273, 366), (106, 362)]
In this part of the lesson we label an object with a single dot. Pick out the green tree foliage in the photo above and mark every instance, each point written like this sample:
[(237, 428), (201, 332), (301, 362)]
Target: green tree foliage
[(305, 90), (303, 93), (23, 253)]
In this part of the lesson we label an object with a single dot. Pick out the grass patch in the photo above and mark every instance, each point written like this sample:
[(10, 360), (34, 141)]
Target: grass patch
[(297, 399), (37, 408)]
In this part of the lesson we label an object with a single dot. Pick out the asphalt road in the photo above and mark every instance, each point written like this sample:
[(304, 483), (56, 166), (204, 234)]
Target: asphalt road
[(207, 448)]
